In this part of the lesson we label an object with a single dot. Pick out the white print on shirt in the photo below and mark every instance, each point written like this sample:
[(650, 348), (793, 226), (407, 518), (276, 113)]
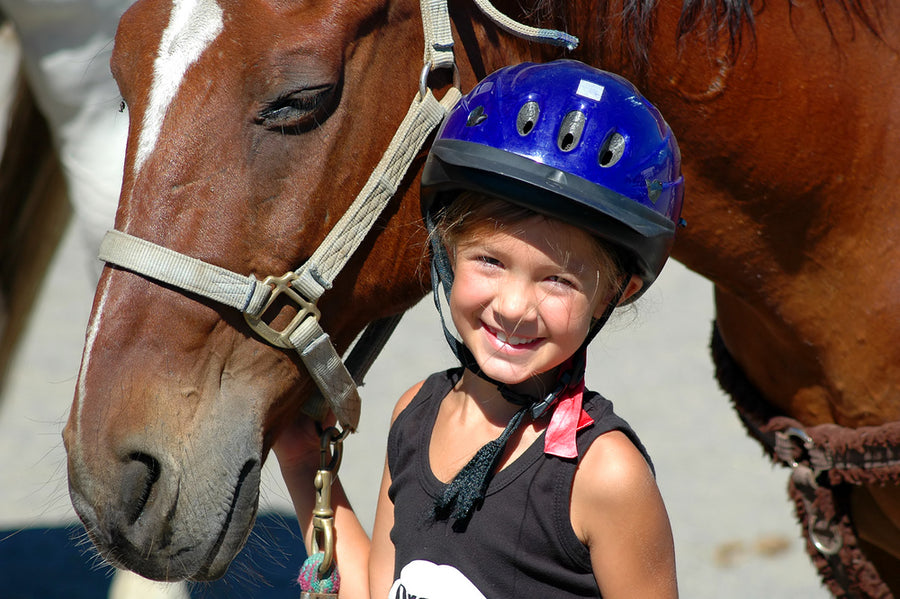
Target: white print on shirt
[(422, 579)]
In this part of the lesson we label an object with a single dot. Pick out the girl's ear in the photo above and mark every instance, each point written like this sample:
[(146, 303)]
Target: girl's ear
[(634, 285)]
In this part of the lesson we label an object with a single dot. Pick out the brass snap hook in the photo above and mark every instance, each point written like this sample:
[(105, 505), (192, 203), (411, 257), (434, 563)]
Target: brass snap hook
[(331, 452)]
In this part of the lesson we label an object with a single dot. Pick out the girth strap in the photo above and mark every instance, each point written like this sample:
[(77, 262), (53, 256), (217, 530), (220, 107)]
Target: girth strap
[(823, 459), (866, 454)]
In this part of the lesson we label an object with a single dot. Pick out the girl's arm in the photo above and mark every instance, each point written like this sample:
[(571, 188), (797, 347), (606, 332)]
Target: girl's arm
[(297, 449), (618, 512), (381, 562), (366, 567)]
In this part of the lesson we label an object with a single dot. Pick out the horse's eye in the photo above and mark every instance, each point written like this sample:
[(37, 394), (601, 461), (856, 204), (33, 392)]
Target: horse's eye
[(298, 111)]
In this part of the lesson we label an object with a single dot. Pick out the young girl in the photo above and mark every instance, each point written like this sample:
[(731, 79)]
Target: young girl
[(552, 194)]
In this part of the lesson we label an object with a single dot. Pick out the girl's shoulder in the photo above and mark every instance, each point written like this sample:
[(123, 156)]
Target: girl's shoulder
[(614, 462), (613, 478), (408, 396), (437, 385), (617, 512), (606, 420)]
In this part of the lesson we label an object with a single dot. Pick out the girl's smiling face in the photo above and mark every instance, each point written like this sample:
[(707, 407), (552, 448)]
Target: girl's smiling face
[(524, 296)]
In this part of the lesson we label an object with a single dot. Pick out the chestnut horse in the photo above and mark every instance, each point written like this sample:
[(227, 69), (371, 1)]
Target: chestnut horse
[(253, 124)]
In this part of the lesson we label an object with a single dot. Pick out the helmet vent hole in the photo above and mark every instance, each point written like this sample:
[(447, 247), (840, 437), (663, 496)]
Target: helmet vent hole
[(611, 150), (570, 131), (527, 119), (476, 117)]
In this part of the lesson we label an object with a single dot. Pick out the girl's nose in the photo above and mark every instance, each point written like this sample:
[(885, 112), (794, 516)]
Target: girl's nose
[(515, 302)]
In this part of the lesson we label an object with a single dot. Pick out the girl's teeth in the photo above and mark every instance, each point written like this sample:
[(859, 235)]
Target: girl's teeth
[(511, 340)]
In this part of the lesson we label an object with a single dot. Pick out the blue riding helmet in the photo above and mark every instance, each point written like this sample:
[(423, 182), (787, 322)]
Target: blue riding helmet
[(572, 142)]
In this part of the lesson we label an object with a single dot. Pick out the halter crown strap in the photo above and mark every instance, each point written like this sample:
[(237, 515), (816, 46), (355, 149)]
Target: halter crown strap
[(532, 34)]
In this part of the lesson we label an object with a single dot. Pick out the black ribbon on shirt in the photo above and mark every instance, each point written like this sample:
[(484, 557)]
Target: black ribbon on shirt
[(466, 491)]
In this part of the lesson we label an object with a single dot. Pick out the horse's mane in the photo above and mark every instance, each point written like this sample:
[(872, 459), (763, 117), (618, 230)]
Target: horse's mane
[(733, 18)]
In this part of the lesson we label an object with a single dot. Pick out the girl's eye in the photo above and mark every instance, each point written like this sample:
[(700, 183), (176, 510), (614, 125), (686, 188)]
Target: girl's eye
[(488, 260), (560, 280)]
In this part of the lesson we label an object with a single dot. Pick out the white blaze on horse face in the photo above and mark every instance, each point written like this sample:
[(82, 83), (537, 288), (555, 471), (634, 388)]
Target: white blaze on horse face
[(193, 26)]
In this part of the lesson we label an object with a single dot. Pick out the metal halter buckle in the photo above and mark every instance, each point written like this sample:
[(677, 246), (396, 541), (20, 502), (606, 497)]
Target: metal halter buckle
[(305, 309), (426, 73), (795, 447)]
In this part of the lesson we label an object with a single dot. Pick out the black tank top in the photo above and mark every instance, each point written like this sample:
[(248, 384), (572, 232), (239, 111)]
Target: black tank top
[(518, 544)]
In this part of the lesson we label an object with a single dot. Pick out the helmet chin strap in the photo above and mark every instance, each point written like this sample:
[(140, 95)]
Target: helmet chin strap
[(462, 496)]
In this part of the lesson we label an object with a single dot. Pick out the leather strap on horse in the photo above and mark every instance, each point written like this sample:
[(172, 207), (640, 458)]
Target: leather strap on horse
[(824, 460)]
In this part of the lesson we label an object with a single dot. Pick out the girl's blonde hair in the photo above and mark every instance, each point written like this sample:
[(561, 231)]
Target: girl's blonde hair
[(472, 214)]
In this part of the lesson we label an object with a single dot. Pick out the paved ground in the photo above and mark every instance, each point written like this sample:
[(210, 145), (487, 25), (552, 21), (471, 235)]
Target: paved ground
[(734, 529)]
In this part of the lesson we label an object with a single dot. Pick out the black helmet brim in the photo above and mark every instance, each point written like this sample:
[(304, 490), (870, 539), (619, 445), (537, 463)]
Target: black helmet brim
[(455, 166)]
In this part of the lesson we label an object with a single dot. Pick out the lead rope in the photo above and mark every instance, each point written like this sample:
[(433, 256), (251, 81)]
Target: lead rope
[(319, 577)]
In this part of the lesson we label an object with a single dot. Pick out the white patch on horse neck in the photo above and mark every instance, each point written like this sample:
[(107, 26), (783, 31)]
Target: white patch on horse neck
[(193, 26)]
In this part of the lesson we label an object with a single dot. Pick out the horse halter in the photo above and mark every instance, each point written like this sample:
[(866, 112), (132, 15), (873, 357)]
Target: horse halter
[(305, 285)]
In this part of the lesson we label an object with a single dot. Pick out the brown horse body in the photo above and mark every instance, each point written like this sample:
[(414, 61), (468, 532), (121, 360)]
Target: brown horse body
[(275, 127), (788, 153)]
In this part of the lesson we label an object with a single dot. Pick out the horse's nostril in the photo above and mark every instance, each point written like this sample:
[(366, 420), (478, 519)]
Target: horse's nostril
[(138, 477)]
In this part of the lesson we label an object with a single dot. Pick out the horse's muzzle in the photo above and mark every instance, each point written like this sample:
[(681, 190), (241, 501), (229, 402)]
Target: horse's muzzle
[(150, 526)]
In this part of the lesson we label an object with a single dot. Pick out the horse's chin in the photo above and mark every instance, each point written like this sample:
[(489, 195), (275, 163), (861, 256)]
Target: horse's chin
[(185, 541)]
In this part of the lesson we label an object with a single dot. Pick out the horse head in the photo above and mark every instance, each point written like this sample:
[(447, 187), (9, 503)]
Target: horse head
[(252, 127)]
